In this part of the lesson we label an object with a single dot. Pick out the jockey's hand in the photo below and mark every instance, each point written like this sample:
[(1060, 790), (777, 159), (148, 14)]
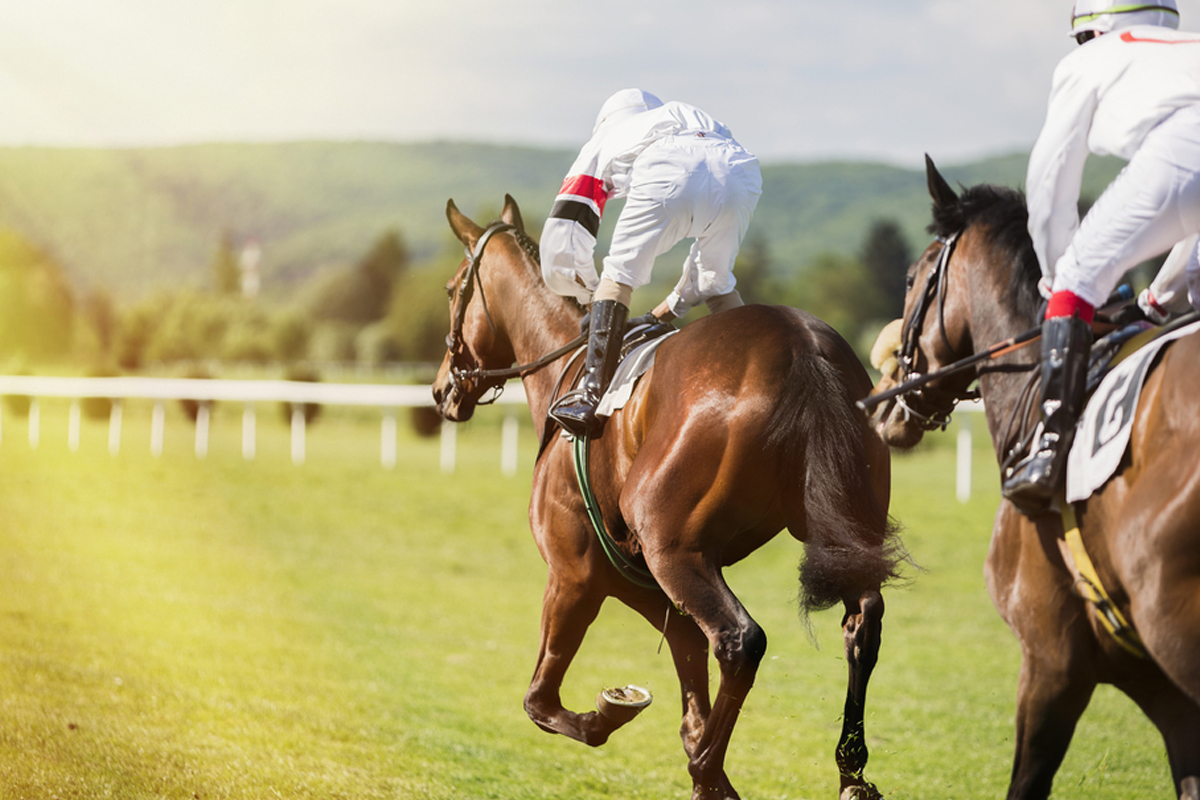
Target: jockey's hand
[(1150, 307), (644, 319), (1123, 316)]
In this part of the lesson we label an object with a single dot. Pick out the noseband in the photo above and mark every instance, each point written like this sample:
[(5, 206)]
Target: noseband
[(933, 292), (463, 378)]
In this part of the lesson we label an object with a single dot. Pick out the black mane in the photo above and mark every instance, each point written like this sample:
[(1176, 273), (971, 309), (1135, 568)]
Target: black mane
[(1003, 213)]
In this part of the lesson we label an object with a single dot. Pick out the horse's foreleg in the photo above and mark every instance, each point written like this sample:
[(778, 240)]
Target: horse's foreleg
[(1177, 718), (1050, 701), (689, 651), (862, 629), (568, 609)]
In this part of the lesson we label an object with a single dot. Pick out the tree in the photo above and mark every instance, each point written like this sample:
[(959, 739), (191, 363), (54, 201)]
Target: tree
[(37, 307), (753, 270), (837, 289), (361, 294), (886, 257), (419, 316), (379, 271)]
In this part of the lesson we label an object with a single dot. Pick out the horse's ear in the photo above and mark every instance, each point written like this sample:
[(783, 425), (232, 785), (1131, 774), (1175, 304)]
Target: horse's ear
[(943, 196), (467, 231), (511, 214)]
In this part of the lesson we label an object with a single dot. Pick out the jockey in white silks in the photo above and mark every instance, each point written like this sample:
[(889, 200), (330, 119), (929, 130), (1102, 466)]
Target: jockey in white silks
[(1132, 89), (682, 175)]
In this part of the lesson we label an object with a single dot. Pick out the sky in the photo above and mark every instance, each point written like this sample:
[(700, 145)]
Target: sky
[(796, 80)]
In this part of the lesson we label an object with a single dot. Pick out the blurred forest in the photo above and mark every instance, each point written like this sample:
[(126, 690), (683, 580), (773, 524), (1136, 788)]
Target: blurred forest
[(308, 254)]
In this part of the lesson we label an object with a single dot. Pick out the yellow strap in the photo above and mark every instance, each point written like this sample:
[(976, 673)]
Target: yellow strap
[(1091, 588)]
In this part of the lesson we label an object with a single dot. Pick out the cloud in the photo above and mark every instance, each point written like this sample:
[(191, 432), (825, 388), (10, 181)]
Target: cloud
[(885, 79)]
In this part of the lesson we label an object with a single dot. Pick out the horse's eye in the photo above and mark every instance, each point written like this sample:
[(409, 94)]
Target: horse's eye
[(909, 280), (450, 292)]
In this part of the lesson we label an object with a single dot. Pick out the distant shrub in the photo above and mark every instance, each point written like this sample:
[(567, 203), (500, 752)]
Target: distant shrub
[(290, 335), (426, 421), (192, 407), (98, 408), (311, 410), (18, 404)]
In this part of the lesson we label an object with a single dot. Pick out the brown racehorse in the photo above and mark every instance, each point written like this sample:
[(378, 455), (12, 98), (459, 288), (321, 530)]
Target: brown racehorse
[(745, 425), (1142, 529)]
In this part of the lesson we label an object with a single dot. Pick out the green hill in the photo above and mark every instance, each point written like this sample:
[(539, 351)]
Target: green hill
[(136, 220)]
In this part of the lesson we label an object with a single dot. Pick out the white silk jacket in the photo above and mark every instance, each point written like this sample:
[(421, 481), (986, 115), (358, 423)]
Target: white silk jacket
[(601, 172), (1107, 96)]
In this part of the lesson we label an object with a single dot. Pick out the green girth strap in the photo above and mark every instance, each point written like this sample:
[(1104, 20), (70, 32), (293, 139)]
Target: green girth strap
[(634, 573)]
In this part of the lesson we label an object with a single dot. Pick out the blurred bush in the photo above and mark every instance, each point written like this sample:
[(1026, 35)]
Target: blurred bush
[(311, 410)]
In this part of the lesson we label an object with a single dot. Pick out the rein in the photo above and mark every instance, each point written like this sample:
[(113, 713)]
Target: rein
[(455, 343), (912, 381)]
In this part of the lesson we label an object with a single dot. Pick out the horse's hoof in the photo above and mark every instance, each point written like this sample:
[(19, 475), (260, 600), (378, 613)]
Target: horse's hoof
[(867, 792), (621, 705)]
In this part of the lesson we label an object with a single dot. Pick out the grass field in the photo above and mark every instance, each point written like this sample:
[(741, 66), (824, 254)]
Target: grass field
[(184, 628)]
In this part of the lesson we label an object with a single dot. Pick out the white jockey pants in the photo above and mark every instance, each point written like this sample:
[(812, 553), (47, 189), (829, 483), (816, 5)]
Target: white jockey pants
[(686, 186), (1150, 206)]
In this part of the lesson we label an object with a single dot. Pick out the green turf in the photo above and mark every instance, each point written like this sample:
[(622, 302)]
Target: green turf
[(184, 628)]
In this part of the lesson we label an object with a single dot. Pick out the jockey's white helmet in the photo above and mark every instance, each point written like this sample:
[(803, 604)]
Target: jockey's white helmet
[(1102, 16), (623, 104)]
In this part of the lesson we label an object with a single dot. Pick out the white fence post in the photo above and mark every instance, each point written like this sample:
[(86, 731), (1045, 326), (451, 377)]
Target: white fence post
[(202, 416), (158, 424), (508, 446), (114, 428), (962, 481), (298, 423), (962, 476), (449, 445), (34, 424), (73, 428), (249, 434), (387, 439)]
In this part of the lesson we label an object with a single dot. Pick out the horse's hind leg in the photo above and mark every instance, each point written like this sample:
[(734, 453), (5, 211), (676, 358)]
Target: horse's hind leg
[(689, 651), (568, 608), (862, 629), (738, 644)]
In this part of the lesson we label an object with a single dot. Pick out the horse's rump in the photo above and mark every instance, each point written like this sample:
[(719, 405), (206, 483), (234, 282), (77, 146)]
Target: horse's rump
[(785, 384)]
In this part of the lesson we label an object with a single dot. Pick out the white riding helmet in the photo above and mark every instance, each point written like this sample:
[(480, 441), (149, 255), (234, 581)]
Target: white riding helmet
[(1102, 16), (625, 103)]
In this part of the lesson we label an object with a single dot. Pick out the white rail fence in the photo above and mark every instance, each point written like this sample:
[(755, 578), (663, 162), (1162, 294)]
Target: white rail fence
[(388, 398)]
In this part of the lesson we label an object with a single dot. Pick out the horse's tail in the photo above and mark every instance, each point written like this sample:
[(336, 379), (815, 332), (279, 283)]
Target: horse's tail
[(851, 545)]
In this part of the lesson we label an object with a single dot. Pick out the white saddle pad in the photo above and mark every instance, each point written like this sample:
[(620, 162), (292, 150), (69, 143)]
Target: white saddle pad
[(1103, 433), (627, 374)]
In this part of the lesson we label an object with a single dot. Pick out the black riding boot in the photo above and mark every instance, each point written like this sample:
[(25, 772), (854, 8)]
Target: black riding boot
[(1032, 482), (576, 410)]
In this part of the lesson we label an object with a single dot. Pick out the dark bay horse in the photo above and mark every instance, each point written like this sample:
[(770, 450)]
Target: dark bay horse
[(975, 287), (745, 425)]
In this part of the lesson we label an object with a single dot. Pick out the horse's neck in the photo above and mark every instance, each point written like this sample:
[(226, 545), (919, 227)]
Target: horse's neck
[(542, 323)]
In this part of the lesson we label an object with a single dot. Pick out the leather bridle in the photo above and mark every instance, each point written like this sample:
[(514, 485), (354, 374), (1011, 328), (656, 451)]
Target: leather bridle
[(472, 380), (936, 405)]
